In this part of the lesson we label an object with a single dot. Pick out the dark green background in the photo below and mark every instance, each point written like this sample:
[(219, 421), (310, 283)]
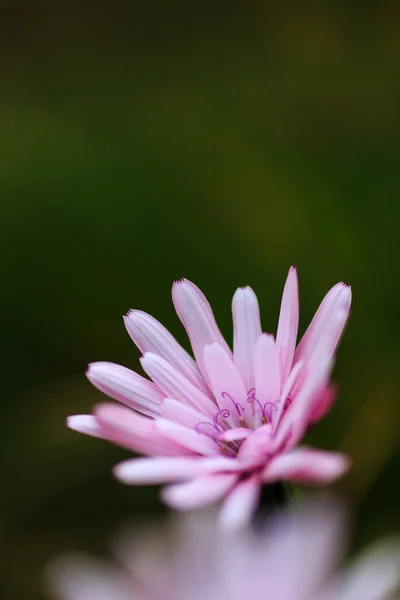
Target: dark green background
[(145, 141)]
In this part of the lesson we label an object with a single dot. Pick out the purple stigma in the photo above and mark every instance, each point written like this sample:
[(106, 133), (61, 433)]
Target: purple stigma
[(238, 407)]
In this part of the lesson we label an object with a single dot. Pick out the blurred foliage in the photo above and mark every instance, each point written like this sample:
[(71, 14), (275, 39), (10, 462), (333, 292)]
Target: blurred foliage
[(146, 141)]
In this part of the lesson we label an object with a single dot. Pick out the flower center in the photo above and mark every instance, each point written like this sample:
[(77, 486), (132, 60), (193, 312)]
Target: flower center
[(217, 428)]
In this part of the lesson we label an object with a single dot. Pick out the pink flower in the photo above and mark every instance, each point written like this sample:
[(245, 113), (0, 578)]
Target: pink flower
[(227, 423), (296, 559)]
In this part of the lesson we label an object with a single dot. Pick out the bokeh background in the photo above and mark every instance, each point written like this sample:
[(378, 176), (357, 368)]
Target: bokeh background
[(221, 141)]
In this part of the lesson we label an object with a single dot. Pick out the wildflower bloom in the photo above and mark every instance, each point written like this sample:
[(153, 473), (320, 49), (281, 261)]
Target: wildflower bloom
[(295, 560), (226, 423)]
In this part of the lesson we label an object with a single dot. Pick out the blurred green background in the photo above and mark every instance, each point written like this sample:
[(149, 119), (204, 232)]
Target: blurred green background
[(146, 141)]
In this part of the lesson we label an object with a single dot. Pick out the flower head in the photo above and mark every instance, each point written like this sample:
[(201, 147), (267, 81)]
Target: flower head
[(228, 422), (296, 559)]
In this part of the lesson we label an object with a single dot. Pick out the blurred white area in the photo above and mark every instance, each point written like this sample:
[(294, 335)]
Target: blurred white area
[(295, 557)]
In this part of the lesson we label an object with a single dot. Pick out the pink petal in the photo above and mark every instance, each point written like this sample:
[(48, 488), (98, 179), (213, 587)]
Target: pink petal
[(197, 317), (323, 403), (247, 330), (138, 471), (198, 493), (305, 465), (227, 385), (329, 319), (233, 435), (295, 377), (87, 424), (145, 471), (126, 428), (267, 370), (296, 418), (189, 438), (239, 506), (125, 386), (176, 411), (150, 336), (257, 448), (288, 324), (174, 385)]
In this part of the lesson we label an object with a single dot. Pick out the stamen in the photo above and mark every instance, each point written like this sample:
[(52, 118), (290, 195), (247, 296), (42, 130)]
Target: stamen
[(266, 414), (218, 427), (272, 406), (225, 414), (214, 427), (254, 399), (238, 407)]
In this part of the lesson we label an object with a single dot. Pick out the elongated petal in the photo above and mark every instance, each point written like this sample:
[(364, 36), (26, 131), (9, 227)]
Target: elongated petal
[(288, 324), (305, 465), (247, 330), (296, 419), (239, 506), (146, 471), (174, 385), (329, 319), (150, 336), (87, 424), (197, 317), (198, 493), (138, 471), (126, 386), (267, 369), (295, 377), (126, 428), (190, 438), (227, 385), (181, 413)]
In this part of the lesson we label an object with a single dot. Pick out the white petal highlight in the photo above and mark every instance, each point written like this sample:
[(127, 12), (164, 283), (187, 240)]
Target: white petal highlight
[(247, 330), (87, 424), (288, 324), (147, 471), (151, 336), (197, 317), (126, 386)]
